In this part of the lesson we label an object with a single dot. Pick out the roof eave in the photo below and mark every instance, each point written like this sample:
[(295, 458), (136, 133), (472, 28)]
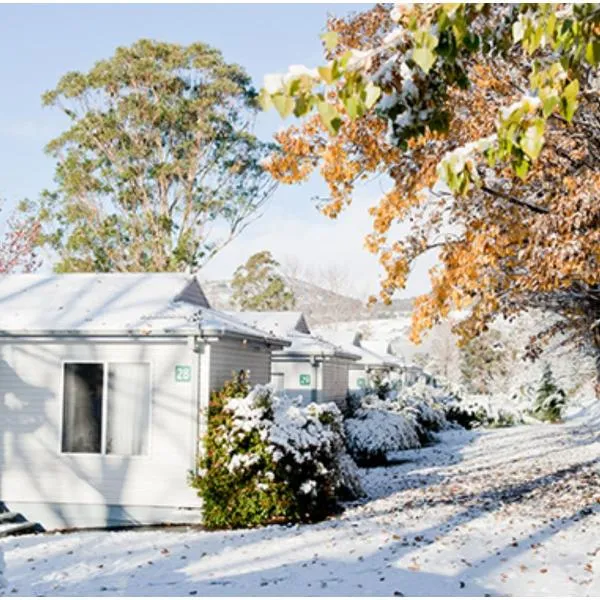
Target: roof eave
[(224, 332)]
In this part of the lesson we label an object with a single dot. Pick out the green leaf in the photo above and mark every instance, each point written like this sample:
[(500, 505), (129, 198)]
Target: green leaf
[(592, 52), (345, 58), (303, 106), (570, 92), (424, 57), (326, 74), (264, 100), (330, 39), (549, 104), (353, 106), (329, 116), (522, 168), (533, 140), (372, 94), (283, 104), (569, 99)]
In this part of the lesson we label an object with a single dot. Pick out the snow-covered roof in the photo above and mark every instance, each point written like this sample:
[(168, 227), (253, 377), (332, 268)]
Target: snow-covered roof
[(113, 304), (310, 345), (352, 342), (293, 326), (341, 337), (383, 348), (277, 322)]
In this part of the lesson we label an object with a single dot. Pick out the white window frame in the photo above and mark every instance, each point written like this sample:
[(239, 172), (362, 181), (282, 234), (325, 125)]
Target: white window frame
[(105, 365)]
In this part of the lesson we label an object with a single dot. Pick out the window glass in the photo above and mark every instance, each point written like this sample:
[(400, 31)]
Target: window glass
[(128, 408), (82, 417)]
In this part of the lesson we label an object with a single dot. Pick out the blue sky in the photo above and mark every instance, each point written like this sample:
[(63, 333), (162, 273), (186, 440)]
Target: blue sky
[(39, 43)]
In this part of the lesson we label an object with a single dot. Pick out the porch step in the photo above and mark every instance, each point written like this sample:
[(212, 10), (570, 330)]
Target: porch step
[(7, 529), (8, 516), (14, 523)]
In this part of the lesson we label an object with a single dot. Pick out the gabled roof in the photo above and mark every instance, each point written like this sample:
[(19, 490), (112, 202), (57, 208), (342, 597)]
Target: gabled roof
[(293, 326), (311, 345), (277, 322), (352, 341), (343, 338), (114, 304)]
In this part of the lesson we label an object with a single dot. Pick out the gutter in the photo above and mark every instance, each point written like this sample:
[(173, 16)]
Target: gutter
[(211, 334)]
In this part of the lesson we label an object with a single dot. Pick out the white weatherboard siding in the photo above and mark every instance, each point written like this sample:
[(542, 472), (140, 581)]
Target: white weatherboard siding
[(287, 373), (229, 356), (92, 489), (356, 373), (367, 373), (328, 378)]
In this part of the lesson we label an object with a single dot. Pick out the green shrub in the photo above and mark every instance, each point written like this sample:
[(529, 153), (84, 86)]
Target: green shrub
[(268, 460), (550, 400)]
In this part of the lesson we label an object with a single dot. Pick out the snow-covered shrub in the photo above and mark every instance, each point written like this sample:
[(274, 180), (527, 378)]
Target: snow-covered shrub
[(428, 416), (374, 432), (376, 427), (382, 385), (474, 411), (550, 400), (267, 459)]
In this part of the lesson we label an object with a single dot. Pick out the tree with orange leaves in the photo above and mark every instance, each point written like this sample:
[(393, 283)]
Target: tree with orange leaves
[(486, 119)]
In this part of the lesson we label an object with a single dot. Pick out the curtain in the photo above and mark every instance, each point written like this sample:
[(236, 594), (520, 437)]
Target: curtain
[(128, 416)]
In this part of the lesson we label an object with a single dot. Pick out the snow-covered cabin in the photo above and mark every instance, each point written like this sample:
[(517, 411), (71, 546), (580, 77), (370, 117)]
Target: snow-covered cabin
[(370, 366), (311, 367), (103, 384), (409, 373)]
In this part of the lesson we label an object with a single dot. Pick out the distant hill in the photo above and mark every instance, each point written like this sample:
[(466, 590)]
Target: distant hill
[(320, 306)]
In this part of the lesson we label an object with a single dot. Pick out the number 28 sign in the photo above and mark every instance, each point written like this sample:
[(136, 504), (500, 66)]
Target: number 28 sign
[(183, 373)]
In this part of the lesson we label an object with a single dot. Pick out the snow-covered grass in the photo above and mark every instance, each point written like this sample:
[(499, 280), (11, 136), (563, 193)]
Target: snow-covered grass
[(488, 512)]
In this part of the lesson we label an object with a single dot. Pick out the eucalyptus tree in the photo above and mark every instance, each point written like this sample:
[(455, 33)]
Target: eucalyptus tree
[(159, 167)]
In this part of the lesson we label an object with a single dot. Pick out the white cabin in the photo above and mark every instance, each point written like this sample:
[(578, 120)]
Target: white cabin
[(311, 367), (371, 365), (104, 382)]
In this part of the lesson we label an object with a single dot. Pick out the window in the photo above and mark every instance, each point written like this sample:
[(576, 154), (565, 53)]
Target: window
[(106, 408)]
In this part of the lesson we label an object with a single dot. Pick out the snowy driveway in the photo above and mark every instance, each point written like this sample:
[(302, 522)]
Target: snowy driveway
[(513, 511)]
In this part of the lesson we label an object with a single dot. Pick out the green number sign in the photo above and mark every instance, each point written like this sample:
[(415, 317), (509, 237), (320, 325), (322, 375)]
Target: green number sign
[(183, 373), (304, 379)]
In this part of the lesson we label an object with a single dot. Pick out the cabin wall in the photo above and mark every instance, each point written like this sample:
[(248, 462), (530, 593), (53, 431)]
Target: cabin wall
[(358, 378), (291, 375), (230, 356), (328, 379), (65, 490), (335, 381)]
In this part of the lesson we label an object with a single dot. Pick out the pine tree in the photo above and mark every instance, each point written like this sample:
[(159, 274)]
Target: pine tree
[(550, 398)]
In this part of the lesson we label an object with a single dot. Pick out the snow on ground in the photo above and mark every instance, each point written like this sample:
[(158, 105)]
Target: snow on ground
[(503, 512)]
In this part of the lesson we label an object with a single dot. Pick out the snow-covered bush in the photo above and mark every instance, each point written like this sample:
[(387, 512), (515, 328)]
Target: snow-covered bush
[(473, 411), (428, 416), (374, 432), (382, 384), (375, 426), (267, 459)]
